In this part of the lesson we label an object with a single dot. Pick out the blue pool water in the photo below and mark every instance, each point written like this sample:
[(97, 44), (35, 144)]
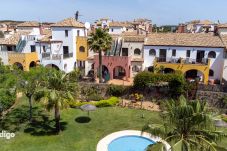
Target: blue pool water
[(129, 143)]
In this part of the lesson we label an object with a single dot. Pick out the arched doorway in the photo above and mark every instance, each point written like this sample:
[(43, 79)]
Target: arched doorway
[(105, 73), (119, 72), (192, 75), (168, 70), (91, 71), (52, 66), (18, 65), (32, 64)]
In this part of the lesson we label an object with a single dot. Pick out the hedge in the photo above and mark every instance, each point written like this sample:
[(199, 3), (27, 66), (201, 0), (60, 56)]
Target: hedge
[(102, 103)]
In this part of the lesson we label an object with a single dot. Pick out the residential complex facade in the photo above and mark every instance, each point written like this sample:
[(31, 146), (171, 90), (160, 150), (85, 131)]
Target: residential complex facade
[(200, 53)]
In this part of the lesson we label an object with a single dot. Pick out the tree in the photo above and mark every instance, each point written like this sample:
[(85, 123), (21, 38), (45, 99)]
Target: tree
[(100, 41), (187, 126), (29, 84), (56, 93)]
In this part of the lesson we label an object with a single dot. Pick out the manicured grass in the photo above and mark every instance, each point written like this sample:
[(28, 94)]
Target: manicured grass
[(77, 134)]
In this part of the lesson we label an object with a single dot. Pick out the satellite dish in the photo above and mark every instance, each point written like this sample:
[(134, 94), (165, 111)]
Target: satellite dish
[(124, 29), (87, 25)]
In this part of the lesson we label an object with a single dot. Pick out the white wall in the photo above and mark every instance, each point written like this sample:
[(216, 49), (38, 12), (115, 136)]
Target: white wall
[(222, 31), (225, 71), (115, 30), (215, 64), (4, 57), (132, 46)]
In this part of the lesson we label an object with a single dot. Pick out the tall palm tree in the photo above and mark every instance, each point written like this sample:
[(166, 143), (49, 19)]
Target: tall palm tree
[(56, 93), (100, 41), (188, 126)]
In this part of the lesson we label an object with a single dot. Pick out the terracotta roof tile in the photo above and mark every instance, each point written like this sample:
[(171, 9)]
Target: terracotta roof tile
[(120, 24), (69, 22), (224, 40), (184, 39), (222, 25), (14, 39)]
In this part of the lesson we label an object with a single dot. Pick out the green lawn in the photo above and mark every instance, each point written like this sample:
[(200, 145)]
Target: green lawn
[(76, 136)]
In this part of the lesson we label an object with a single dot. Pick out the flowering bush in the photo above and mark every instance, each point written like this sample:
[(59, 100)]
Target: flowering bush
[(137, 96)]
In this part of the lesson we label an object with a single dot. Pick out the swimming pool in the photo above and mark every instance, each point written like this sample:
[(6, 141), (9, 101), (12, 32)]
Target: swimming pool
[(128, 140), (130, 143)]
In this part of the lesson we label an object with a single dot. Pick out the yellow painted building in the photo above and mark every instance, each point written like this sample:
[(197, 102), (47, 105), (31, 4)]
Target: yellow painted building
[(184, 67), (23, 60), (81, 50)]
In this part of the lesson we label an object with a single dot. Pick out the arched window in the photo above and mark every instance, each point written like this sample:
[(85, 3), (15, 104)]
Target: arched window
[(137, 51), (82, 49), (152, 52), (211, 73), (211, 54)]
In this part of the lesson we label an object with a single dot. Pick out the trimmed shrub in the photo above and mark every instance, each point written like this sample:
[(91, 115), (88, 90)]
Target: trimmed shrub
[(107, 103), (116, 90), (102, 103), (78, 104)]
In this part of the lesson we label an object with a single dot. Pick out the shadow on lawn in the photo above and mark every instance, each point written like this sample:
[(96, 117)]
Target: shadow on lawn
[(17, 120), (83, 119)]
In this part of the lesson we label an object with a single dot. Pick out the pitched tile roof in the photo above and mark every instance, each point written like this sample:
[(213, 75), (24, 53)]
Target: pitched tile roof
[(14, 39), (224, 40), (120, 24), (222, 25), (138, 38), (69, 22), (29, 24), (184, 39)]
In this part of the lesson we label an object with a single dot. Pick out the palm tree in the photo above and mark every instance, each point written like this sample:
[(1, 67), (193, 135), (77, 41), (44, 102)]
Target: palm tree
[(100, 41), (29, 83), (56, 93), (188, 126)]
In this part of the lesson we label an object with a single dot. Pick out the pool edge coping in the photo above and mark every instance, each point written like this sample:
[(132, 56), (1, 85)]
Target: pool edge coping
[(104, 142)]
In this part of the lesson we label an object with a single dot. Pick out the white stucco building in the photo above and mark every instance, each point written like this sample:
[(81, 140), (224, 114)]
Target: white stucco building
[(201, 52)]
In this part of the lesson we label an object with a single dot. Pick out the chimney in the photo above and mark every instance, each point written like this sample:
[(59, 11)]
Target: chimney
[(181, 28), (216, 31)]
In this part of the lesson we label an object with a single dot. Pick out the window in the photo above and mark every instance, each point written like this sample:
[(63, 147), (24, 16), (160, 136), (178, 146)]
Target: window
[(137, 51), (211, 73), (32, 48), (66, 33), (124, 51), (188, 53), (174, 53), (78, 32), (211, 54), (65, 49), (152, 52), (82, 49), (44, 49)]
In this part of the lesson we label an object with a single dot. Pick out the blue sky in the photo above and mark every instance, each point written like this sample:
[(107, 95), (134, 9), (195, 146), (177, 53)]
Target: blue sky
[(159, 11)]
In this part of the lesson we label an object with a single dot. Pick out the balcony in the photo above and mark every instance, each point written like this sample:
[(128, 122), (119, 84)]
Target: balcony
[(202, 61), (68, 55), (49, 56)]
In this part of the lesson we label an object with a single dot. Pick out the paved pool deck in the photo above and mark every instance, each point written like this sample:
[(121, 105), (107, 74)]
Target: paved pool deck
[(104, 143)]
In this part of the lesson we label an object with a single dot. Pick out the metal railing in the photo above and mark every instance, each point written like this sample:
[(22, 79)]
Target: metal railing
[(46, 55), (182, 60)]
